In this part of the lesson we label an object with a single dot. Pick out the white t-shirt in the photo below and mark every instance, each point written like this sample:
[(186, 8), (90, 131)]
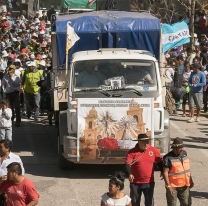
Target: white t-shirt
[(116, 202), (170, 73), (18, 71)]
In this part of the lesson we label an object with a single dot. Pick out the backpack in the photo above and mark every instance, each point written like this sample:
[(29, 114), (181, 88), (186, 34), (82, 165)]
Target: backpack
[(178, 93)]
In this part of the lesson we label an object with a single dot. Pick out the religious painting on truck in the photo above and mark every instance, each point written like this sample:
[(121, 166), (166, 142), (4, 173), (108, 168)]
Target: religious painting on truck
[(106, 127)]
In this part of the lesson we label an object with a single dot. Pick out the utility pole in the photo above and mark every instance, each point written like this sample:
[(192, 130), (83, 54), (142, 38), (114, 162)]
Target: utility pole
[(191, 22)]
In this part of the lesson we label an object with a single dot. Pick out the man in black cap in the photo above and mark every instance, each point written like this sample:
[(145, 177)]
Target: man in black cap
[(196, 82), (140, 168), (177, 176)]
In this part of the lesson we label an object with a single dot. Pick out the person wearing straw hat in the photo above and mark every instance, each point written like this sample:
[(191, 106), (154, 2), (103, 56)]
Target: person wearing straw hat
[(177, 176), (140, 169)]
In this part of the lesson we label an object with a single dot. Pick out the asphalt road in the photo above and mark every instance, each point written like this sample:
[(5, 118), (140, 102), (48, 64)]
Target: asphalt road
[(36, 143)]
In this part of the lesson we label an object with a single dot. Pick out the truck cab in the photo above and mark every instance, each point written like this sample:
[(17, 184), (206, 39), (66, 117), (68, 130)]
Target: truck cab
[(102, 84)]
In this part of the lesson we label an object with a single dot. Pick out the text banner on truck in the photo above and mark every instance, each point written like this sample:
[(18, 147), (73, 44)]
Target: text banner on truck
[(106, 127)]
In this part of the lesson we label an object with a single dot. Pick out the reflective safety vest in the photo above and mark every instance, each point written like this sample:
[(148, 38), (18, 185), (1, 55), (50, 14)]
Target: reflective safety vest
[(31, 80), (190, 56), (22, 74), (179, 175)]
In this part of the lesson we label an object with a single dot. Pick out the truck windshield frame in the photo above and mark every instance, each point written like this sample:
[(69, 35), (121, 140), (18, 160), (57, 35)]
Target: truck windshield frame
[(114, 74)]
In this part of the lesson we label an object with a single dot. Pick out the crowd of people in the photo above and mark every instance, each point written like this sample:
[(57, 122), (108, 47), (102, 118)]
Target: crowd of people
[(140, 160), (25, 60), (193, 64)]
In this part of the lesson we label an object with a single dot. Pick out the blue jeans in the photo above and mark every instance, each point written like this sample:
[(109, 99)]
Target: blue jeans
[(6, 133), (136, 190), (32, 102)]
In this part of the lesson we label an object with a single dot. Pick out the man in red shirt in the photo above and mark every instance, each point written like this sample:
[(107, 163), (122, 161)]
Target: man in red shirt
[(202, 22), (20, 191), (140, 168)]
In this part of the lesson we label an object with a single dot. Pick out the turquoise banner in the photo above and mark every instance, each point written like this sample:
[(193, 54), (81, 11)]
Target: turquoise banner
[(81, 4)]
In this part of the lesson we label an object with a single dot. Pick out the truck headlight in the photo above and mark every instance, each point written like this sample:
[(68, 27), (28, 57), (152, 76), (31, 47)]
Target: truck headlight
[(157, 142)]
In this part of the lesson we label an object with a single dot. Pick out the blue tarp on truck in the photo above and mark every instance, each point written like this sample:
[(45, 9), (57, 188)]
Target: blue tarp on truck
[(109, 29)]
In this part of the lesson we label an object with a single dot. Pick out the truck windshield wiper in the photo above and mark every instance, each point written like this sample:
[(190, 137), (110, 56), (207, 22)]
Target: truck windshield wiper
[(134, 90), (95, 90), (105, 93), (138, 93)]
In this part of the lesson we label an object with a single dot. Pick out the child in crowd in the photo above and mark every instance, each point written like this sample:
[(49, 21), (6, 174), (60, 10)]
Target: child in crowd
[(115, 196), (5, 121)]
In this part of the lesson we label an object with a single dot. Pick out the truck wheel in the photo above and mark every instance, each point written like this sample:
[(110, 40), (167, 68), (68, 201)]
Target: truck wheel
[(64, 164)]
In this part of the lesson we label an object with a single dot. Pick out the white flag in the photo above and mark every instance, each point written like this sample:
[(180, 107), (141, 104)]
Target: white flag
[(71, 37)]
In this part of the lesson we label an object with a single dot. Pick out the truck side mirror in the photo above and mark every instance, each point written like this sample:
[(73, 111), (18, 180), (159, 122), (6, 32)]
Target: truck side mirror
[(51, 80)]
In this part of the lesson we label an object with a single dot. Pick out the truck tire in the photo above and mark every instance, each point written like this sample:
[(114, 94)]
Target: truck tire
[(64, 164)]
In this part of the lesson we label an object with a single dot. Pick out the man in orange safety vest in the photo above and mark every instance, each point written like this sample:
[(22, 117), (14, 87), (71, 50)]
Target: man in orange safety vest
[(177, 175)]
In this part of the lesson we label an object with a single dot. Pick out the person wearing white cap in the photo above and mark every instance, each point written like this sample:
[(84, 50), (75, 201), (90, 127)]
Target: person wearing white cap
[(5, 55), (31, 89), (42, 65), (196, 43), (44, 56), (37, 23), (18, 69)]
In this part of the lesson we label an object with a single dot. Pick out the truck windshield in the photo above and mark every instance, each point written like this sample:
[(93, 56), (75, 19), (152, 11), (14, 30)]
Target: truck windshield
[(114, 74)]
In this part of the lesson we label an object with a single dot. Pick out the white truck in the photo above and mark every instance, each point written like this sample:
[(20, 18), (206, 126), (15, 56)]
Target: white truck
[(105, 99)]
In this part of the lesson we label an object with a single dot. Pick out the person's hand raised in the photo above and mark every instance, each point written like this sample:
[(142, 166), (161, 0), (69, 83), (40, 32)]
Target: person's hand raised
[(3, 178)]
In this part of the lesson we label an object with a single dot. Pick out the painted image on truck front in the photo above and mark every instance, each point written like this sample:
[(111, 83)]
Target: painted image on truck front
[(115, 74), (108, 128)]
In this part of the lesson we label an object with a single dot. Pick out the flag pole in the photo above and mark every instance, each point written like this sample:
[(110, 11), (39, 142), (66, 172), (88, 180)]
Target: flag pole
[(67, 61), (66, 72)]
